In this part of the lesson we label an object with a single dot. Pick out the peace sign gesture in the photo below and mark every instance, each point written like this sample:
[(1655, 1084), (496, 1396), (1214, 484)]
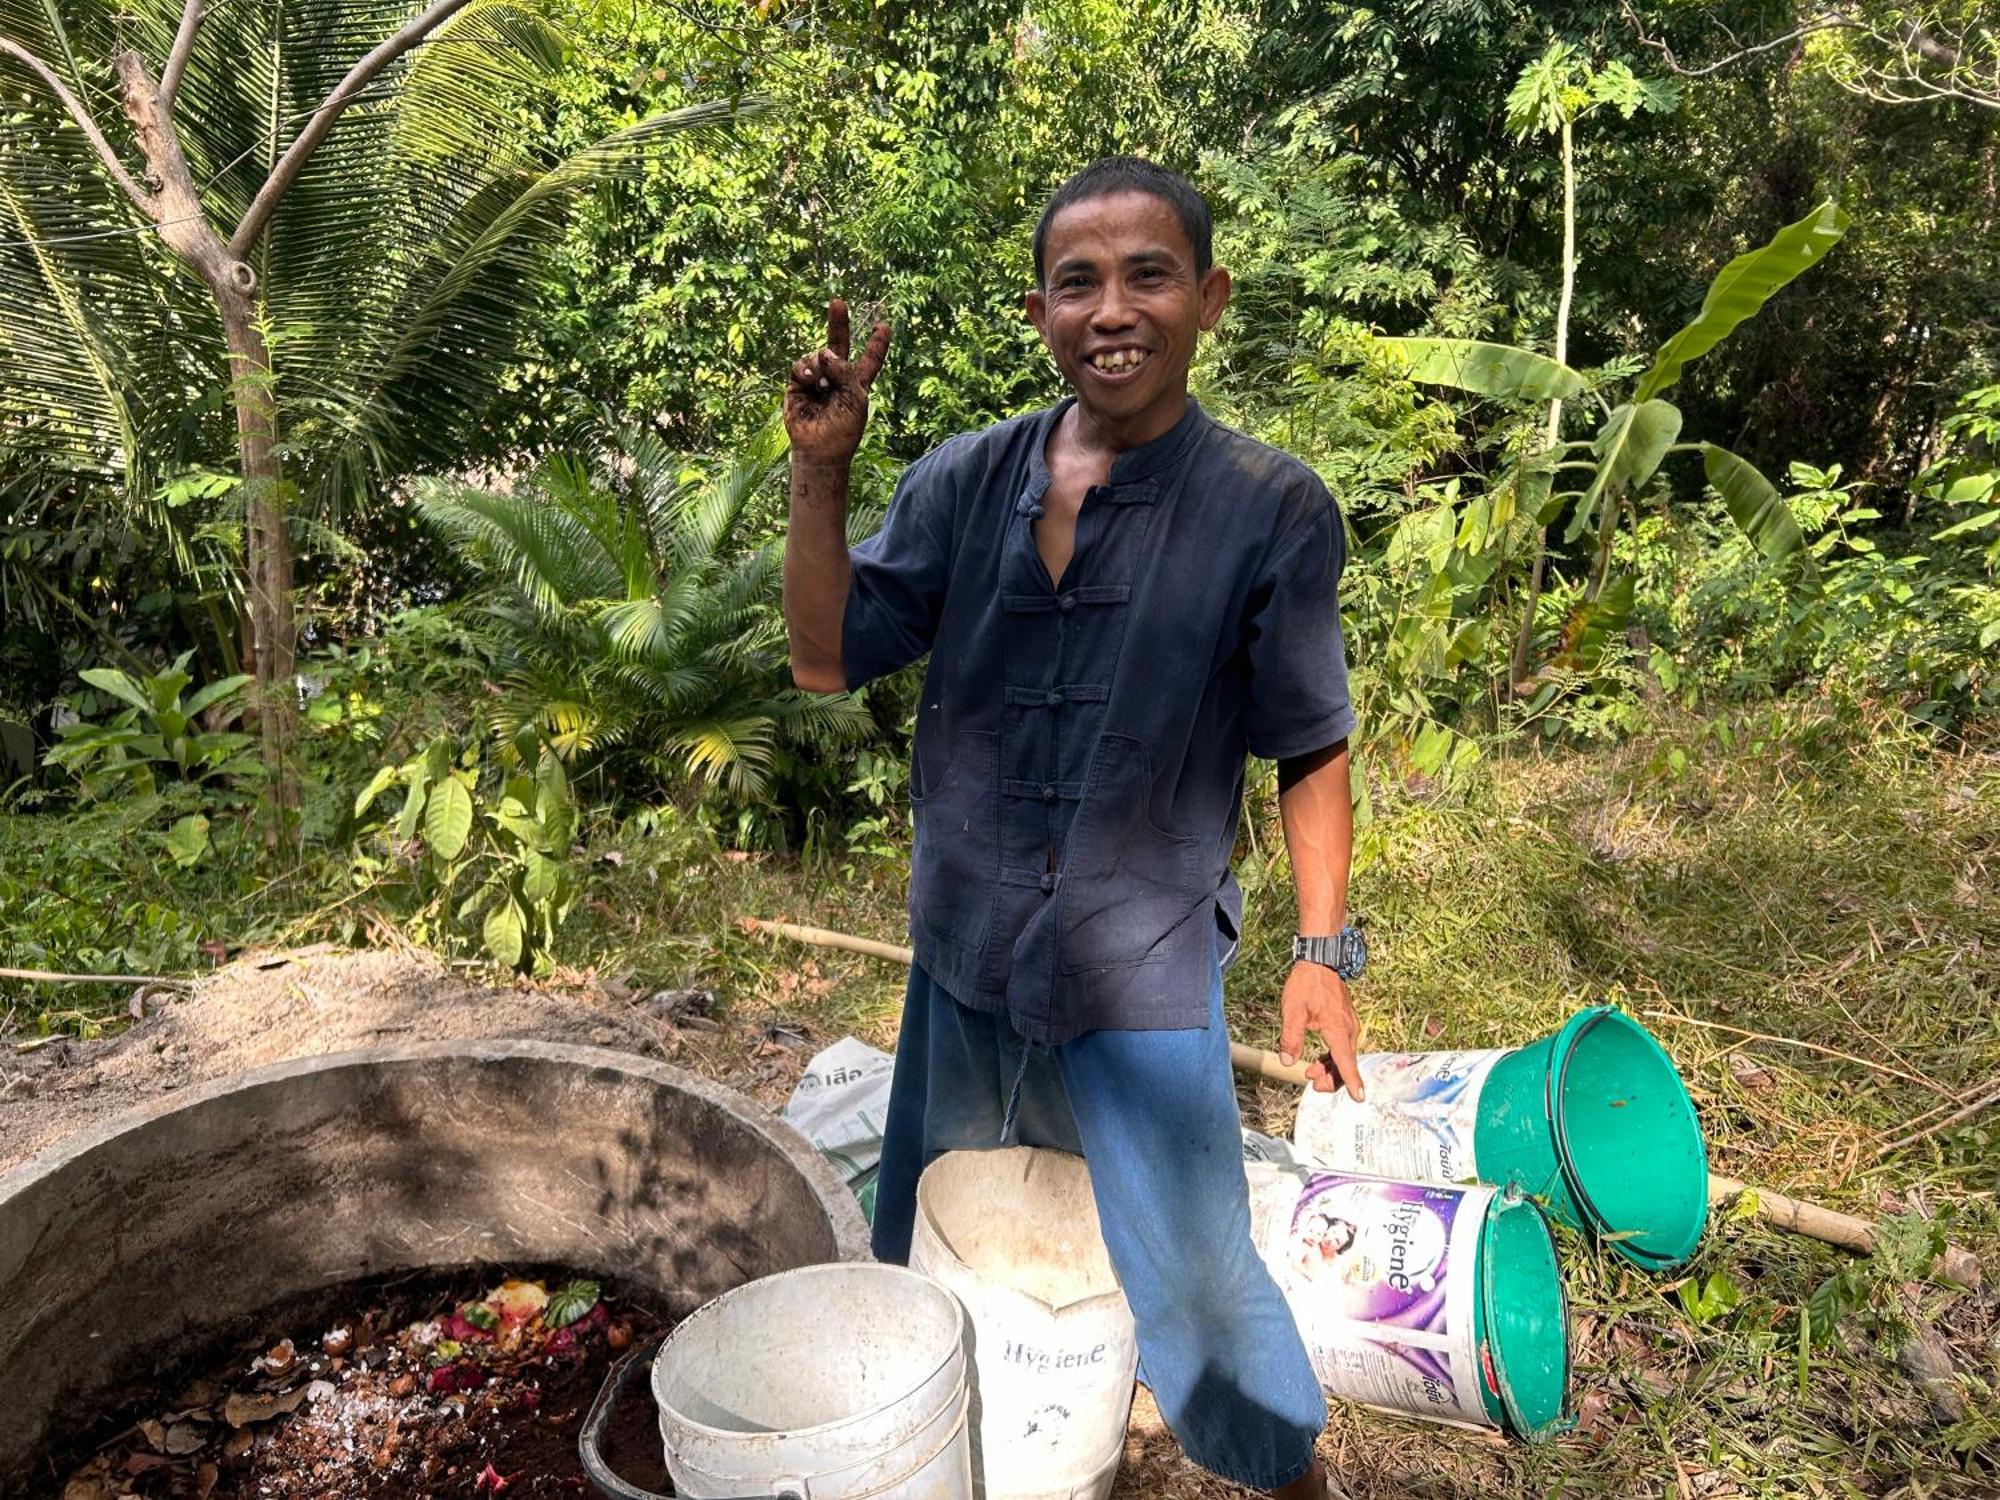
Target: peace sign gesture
[(826, 398)]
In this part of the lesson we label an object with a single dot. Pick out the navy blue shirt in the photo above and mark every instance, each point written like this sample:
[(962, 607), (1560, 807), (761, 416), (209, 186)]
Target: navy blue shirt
[(1078, 770)]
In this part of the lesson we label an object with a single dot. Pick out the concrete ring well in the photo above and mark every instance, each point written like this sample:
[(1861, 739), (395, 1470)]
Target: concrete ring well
[(134, 1248)]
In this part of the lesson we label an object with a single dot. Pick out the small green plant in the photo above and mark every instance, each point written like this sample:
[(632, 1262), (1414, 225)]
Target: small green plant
[(476, 841), (157, 734), (1706, 1299)]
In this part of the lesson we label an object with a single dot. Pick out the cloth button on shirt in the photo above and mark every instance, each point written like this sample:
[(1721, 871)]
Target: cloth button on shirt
[(1071, 870)]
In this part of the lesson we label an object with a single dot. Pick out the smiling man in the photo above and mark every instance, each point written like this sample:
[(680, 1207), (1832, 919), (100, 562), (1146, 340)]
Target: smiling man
[(1121, 599)]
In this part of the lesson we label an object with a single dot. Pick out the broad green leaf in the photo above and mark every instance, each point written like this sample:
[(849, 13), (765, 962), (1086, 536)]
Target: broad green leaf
[(1707, 1300), (448, 818), (437, 758), (216, 691), (1969, 524), (1485, 369), (166, 688), (120, 685), (1629, 447), (541, 878), (381, 780), (187, 840), (503, 932), (1754, 504), (1740, 292), (407, 820)]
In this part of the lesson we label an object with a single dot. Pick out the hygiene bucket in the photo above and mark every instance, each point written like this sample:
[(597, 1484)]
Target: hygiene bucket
[(833, 1382), (1433, 1301), (1593, 1119), (1014, 1234)]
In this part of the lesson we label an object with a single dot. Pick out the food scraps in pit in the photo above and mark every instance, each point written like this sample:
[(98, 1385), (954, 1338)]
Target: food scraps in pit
[(482, 1398)]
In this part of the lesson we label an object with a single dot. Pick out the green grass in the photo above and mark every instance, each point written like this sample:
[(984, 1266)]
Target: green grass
[(1832, 889)]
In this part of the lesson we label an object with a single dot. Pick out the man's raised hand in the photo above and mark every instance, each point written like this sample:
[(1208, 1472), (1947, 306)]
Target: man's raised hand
[(826, 396)]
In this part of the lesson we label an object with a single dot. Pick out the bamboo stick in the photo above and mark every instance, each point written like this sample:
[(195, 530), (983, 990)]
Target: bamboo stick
[(48, 976)]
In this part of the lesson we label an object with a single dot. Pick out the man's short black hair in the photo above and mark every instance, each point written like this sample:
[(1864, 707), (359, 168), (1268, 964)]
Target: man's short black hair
[(1132, 174)]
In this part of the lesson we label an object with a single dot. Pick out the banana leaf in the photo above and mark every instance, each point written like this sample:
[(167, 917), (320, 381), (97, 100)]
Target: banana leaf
[(1485, 369), (1745, 285)]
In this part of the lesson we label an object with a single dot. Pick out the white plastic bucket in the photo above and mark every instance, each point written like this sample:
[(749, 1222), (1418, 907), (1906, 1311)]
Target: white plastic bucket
[(1014, 1234), (833, 1382), (1438, 1302)]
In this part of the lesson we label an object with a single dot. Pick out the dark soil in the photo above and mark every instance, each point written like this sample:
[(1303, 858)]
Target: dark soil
[(403, 1393)]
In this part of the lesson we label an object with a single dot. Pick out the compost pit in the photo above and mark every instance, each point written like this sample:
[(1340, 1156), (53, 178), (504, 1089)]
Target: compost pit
[(436, 1385)]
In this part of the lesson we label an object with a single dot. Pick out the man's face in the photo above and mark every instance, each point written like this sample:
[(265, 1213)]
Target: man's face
[(1120, 304)]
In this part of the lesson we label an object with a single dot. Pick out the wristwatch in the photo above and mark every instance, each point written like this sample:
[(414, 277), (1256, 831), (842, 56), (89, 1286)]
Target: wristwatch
[(1346, 952)]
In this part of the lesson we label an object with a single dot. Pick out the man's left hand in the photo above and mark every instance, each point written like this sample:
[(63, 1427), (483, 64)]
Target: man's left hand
[(1316, 1000)]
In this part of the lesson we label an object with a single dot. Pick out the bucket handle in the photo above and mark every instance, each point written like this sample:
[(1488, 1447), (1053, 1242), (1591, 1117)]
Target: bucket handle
[(591, 1437)]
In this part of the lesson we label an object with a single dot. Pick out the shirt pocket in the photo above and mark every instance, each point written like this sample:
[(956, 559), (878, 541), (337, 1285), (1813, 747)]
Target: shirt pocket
[(955, 863), (1129, 883)]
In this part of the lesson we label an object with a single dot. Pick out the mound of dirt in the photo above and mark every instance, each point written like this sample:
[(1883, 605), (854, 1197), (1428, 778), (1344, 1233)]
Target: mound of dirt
[(275, 1007)]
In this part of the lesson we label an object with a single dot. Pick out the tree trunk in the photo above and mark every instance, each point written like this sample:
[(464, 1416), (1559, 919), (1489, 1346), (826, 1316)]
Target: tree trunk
[(1524, 639), (270, 634), (267, 542)]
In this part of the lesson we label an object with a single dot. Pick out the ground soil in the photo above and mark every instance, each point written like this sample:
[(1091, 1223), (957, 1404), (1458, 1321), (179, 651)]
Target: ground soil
[(390, 1395), (275, 1007)]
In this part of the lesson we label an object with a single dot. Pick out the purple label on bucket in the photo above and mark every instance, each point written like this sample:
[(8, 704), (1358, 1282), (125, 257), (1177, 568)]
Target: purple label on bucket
[(1367, 1268)]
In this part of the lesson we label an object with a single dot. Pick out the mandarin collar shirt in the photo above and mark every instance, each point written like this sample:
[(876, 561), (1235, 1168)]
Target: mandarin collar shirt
[(1078, 769)]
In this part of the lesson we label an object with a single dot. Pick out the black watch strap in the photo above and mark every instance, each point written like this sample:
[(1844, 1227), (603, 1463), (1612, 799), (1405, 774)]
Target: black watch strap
[(1345, 952)]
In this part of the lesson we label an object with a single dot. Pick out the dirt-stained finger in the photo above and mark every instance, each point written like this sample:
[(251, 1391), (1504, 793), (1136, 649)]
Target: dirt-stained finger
[(836, 327), (805, 372), (872, 356), (1341, 1051)]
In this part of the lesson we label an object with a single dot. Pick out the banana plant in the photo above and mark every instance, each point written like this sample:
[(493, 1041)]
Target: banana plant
[(1635, 436)]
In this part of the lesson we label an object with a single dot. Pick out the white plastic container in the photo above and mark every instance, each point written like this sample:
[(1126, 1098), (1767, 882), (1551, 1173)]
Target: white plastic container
[(836, 1382), (1434, 1301), (1014, 1234), (1419, 1121)]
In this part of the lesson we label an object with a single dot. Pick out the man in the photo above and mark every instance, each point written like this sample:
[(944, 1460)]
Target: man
[(1120, 598)]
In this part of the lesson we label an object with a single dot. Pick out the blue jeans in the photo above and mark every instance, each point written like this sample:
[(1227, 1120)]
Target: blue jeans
[(1154, 1113)]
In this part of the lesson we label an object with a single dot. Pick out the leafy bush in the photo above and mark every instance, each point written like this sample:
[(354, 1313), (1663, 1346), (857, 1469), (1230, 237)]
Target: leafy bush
[(1904, 613), (628, 610), (501, 824), (158, 734)]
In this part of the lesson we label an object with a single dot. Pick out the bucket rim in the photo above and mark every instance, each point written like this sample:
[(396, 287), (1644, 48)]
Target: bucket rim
[(927, 1218), (1511, 1200), (955, 1350), (1562, 1050)]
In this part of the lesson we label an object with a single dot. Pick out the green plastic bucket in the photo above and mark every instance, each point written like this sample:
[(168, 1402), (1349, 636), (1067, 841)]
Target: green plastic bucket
[(1435, 1301), (1594, 1120), (1521, 1321)]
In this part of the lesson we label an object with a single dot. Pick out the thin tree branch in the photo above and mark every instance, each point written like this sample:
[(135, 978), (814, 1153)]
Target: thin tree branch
[(1835, 22), (1903, 82), (289, 165), (194, 13), (1965, 1112), (84, 122), (48, 976)]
